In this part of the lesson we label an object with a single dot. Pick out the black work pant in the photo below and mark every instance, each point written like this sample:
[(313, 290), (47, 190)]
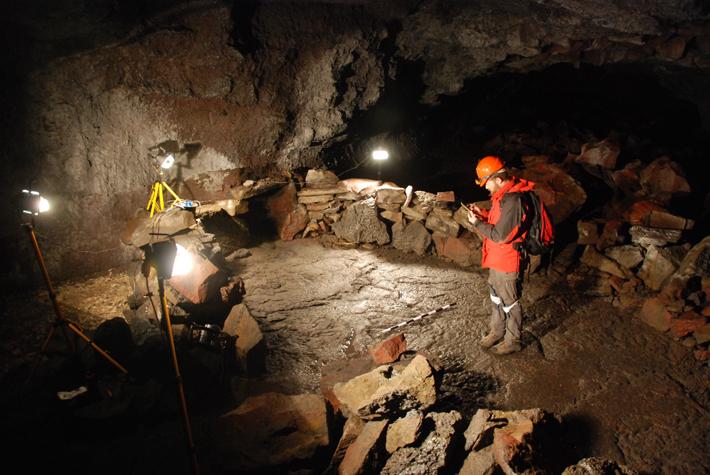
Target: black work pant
[(507, 314)]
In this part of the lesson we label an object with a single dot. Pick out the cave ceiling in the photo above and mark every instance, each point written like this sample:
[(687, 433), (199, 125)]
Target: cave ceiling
[(274, 85)]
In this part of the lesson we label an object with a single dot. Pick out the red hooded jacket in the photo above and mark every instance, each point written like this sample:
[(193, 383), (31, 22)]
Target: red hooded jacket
[(502, 227)]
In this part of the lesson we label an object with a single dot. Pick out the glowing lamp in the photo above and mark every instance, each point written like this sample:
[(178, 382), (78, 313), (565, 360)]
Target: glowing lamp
[(380, 154), (33, 203), (167, 162), (183, 262)]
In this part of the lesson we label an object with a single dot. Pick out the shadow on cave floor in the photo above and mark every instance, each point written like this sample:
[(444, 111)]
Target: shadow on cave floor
[(622, 390)]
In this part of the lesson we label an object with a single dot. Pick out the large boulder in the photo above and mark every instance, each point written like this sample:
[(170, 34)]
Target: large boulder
[(663, 178), (270, 430), (438, 222), (388, 391), (464, 250), (143, 229), (658, 265), (561, 193), (411, 237), (600, 154), (359, 223), (250, 344), (202, 283), (288, 216), (648, 213)]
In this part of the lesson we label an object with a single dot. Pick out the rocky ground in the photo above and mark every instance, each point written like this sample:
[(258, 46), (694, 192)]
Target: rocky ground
[(625, 392)]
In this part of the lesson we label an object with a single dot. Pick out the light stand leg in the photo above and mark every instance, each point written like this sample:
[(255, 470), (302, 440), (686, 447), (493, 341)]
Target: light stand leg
[(181, 392), (61, 320)]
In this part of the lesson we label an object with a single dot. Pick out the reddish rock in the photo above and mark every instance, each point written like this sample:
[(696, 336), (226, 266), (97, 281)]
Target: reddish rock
[(616, 283), (289, 217), (664, 176), (271, 429), (445, 197), (672, 49), (702, 334), (561, 193), (388, 351), (351, 430), (464, 250), (686, 323), (366, 454), (655, 314), (509, 442), (701, 355), (202, 283), (648, 213)]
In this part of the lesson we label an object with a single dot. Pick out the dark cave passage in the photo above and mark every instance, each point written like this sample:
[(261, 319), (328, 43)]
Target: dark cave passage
[(549, 112)]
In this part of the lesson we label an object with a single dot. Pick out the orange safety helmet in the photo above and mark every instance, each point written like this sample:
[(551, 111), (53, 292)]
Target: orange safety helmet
[(486, 167)]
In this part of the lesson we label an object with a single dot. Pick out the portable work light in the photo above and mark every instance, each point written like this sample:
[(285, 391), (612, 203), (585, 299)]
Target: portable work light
[(380, 154), (168, 258), (171, 259), (167, 162), (33, 203)]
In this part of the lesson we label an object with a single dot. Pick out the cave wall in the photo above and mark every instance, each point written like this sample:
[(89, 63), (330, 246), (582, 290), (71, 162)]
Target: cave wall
[(262, 86)]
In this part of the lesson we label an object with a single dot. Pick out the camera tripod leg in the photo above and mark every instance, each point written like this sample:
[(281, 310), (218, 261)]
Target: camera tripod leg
[(178, 377), (60, 320)]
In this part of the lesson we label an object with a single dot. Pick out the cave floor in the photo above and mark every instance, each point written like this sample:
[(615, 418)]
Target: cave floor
[(623, 390)]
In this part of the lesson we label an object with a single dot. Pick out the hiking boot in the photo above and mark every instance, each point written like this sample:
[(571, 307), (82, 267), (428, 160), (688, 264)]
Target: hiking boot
[(489, 340), (506, 347)]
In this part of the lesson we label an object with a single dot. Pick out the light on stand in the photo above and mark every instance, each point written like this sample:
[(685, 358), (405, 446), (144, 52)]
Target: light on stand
[(380, 155), (156, 203), (171, 259), (167, 162), (183, 262), (34, 204)]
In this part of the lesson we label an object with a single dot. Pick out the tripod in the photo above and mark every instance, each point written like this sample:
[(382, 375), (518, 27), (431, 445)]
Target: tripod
[(156, 201), (61, 320)]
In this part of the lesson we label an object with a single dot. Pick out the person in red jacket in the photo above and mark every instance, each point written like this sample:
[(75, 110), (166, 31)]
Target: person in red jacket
[(502, 231)]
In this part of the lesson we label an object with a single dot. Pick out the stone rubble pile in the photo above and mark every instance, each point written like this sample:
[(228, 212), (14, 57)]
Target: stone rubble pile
[(384, 419), (638, 246), (371, 213), (208, 296)]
